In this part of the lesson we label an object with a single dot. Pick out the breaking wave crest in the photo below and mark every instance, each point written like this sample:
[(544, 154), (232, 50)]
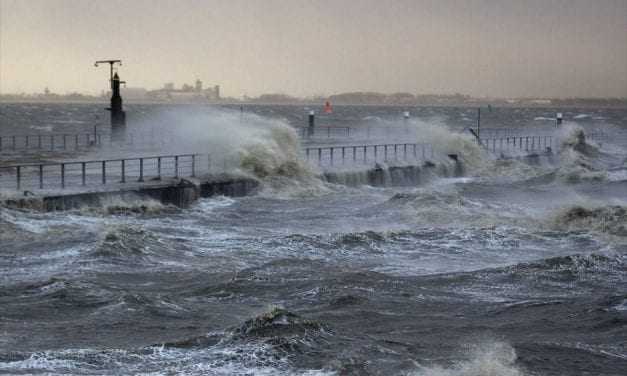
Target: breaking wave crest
[(128, 206), (261, 345), (611, 220), (122, 243), (579, 160), (448, 142), (274, 158)]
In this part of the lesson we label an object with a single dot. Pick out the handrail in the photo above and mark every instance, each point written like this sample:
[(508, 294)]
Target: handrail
[(361, 146), (52, 134), (45, 164), (99, 172)]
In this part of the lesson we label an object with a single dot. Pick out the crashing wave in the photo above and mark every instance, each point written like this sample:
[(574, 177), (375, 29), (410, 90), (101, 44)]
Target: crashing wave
[(605, 219), (274, 158), (124, 242), (127, 206), (572, 266), (278, 329), (578, 159)]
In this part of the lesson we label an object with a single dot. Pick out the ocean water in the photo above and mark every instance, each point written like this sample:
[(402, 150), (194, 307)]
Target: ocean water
[(515, 268)]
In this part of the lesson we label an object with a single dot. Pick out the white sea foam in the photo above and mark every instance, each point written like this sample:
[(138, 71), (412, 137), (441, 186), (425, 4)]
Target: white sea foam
[(219, 360), (487, 359)]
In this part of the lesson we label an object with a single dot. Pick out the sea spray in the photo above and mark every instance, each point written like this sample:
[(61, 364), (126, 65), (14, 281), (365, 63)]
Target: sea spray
[(577, 159), (263, 148), (476, 160), (445, 141), (484, 359)]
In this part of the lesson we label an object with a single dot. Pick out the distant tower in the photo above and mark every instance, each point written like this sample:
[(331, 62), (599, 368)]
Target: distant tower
[(216, 90), (118, 116), (46, 91), (198, 86)]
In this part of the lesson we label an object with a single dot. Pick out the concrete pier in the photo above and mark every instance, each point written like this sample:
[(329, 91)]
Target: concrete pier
[(183, 192), (178, 192)]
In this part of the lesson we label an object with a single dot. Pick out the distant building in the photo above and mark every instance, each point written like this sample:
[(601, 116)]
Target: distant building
[(186, 94)]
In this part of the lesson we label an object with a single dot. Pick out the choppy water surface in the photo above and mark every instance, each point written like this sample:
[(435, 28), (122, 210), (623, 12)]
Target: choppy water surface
[(511, 270)]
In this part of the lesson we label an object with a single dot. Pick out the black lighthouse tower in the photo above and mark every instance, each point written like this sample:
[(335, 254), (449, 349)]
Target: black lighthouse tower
[(118, 116)]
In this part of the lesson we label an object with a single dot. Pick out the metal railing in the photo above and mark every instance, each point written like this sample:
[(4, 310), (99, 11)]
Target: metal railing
[(366, 154), (518, 143), (325, 131), (529, 143), (51, 142), (92, 173)]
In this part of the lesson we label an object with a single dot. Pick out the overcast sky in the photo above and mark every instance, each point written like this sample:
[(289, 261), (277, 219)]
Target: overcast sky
[(506, 48)]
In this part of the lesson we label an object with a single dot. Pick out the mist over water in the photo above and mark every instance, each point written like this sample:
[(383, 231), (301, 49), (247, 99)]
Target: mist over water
[(516, 267)]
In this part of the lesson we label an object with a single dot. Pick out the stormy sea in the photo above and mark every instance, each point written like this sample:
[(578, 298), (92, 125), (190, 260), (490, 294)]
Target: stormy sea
[(514, 267)]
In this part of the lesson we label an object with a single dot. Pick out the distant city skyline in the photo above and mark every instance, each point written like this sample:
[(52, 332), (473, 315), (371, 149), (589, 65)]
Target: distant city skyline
[(482, 48)]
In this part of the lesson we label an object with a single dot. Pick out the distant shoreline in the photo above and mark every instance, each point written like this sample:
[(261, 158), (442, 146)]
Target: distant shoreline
[(588, 104)]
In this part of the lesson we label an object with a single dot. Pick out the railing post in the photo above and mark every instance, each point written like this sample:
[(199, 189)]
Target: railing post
[(51, 142), (354, 153), (415, 154), (331, 154), (193, 165), (423, 151), (319, 156), (123, 165), (141, 170), (41, 176), (159, 167), (375, 153), (343, 155), (405, 151), (176, 166), (104, 172), (83, 173), (62, 175), (18, 172)]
